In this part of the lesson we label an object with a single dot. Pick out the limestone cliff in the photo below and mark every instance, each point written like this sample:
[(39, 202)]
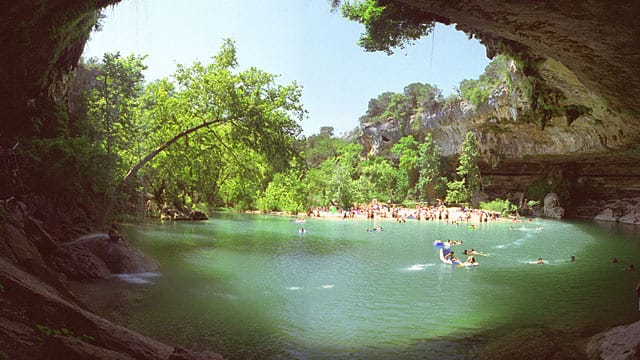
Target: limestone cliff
[(586, 146)]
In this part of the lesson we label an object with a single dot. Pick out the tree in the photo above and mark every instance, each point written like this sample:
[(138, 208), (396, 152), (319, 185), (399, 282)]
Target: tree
[(388, 24), (457, 192), (468, 163), (322, 146), (380, 180), (343, 173), (217, 121), (286, 192), (423, 96), (496, 73), (376, 108), (431, 184), (112, 103), (407, 151), (468, 170)]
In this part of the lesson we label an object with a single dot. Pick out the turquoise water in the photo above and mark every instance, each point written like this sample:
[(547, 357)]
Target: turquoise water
[(251, 286)]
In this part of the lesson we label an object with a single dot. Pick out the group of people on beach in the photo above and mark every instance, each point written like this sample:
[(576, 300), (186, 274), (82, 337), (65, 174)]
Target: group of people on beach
[(374, 209)]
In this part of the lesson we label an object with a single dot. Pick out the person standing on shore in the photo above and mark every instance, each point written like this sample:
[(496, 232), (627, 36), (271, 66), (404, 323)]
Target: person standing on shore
[(638, 294)]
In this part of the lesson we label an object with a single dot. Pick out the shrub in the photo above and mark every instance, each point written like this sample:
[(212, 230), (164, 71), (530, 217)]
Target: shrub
[(504, 207)]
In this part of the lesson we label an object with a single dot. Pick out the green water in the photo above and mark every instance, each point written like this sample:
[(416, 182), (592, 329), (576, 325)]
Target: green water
[(250, 286)]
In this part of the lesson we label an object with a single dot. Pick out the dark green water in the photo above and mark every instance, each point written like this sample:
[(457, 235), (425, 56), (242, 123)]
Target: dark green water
[(250, 286)]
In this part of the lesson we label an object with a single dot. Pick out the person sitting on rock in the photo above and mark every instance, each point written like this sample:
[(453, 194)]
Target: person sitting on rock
[(114, 235)]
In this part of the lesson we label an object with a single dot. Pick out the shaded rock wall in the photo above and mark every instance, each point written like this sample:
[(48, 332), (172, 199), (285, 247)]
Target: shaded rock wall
[(42, 42), (40, 318), (597, 40)]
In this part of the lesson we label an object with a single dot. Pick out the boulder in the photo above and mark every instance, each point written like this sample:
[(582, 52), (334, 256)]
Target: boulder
[(618, 343), (631, 216), (95, 256), (552, 207), (197, 215), (66, 330), (606, 215)]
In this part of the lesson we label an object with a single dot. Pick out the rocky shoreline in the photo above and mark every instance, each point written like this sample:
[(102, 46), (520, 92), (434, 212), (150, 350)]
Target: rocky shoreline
[(40, 318)]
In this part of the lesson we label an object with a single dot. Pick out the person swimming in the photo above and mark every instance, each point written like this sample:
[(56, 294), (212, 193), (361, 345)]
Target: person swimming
[(474, 252), (540, 261), (470, 260)]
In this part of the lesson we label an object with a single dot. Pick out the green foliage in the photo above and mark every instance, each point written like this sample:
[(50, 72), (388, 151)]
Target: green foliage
[(322, 146), (457, 192), (417, 99), (539, 188), (46, 331), (388, 24), (344, 186), (532, 203), (431, 184), (380, 180), (66, 158), (407, 150), (286, 192), (496, 73), (112, 103), (468, 164), (423, 96), (504, 207), (250, 120)]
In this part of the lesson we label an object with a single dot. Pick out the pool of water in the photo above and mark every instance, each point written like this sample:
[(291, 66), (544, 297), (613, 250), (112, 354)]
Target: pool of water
[(252, 286)]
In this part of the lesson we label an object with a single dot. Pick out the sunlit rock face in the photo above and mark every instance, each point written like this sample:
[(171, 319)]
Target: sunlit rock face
[(595, 152)]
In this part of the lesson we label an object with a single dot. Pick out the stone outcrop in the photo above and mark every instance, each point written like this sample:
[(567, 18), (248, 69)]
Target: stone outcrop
[(40, 318), (626, 211), (618, 343), (37, 322), (95, 256), (593, 156), (552, 208)]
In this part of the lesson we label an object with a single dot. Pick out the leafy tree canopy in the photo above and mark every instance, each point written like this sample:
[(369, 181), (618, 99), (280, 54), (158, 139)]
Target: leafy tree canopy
[(388, 24)]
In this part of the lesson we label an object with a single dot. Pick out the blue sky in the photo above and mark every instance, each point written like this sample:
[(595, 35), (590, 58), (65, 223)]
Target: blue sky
[(299, 40)]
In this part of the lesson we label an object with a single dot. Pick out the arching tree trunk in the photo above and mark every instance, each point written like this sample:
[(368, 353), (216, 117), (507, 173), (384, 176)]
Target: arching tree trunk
[(122, 185)]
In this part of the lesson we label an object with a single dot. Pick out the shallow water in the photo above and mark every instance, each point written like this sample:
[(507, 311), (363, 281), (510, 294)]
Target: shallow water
[(252, 286)]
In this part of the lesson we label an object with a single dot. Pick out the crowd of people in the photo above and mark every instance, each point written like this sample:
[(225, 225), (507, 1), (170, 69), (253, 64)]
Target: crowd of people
[(437, 212)]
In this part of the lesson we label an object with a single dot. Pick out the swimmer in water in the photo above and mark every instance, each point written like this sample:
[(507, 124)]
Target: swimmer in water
[(630, 268)]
